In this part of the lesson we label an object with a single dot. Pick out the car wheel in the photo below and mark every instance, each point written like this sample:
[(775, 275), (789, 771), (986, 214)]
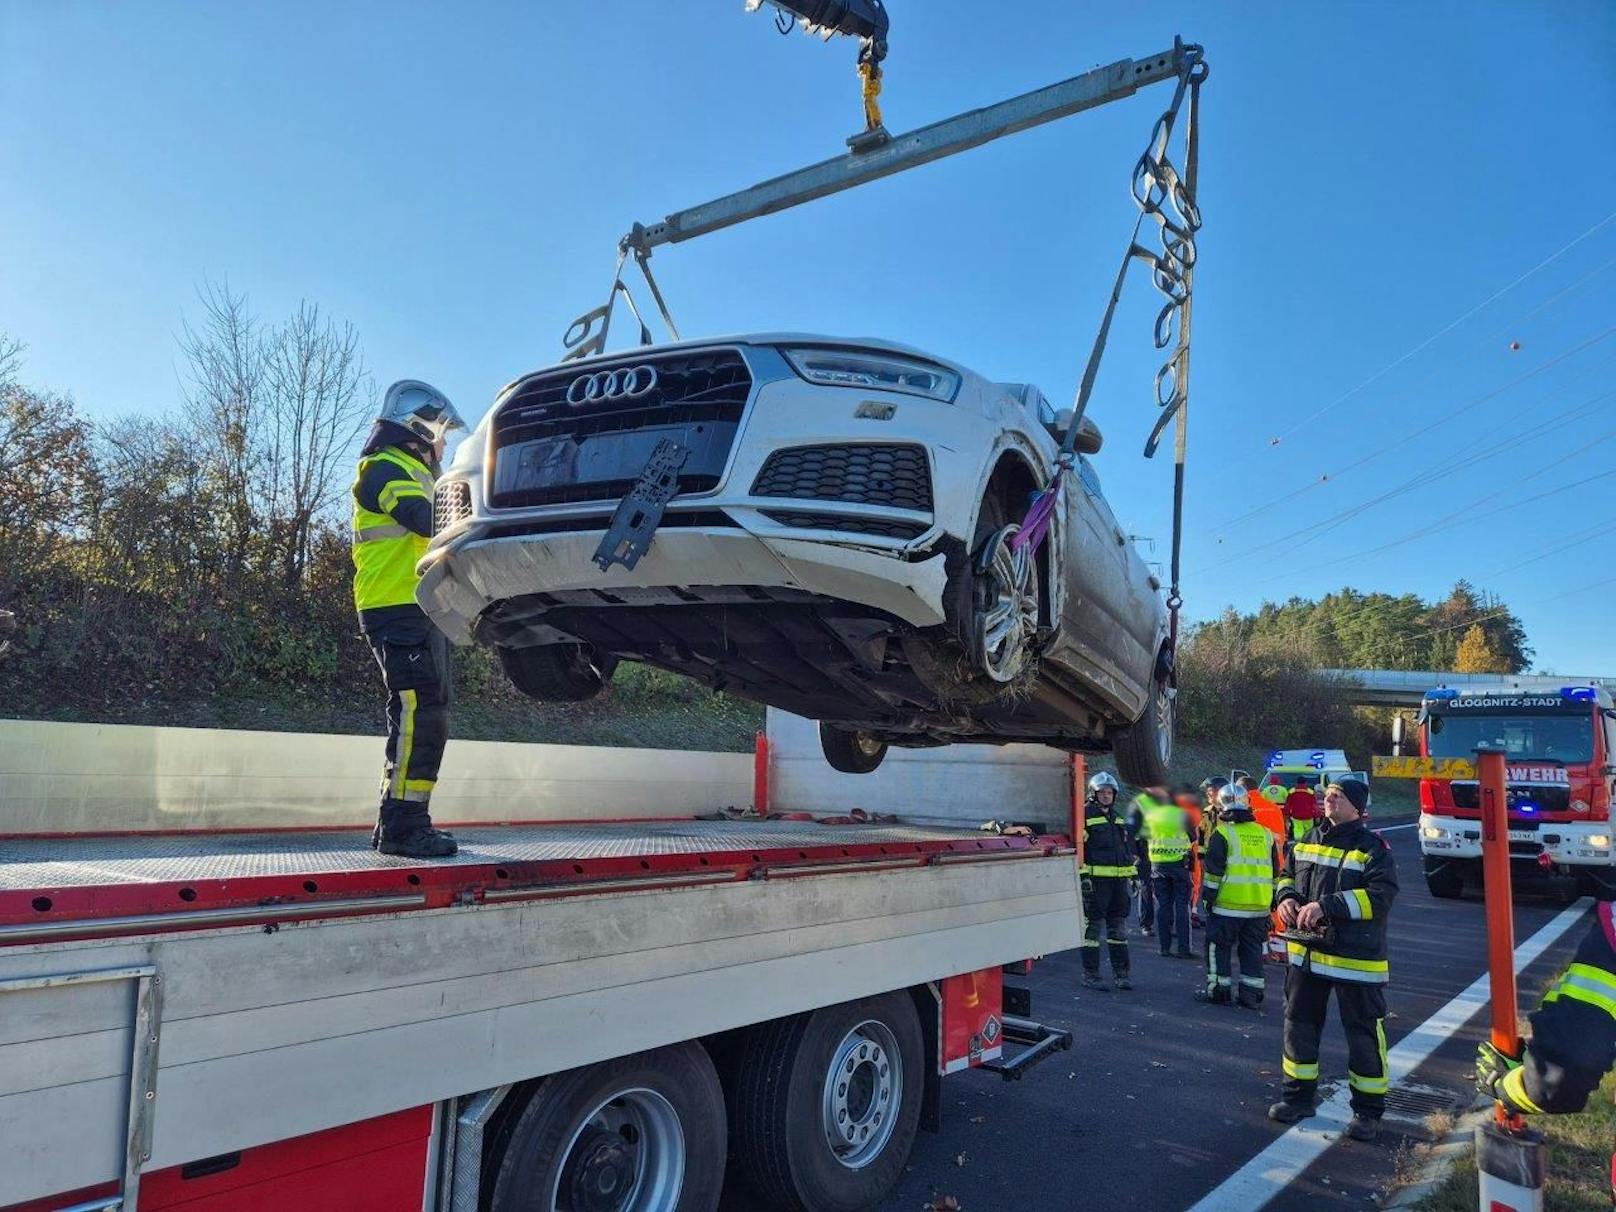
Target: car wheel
[(850, 752), (1005, 606), (557, 673), (1144, 750), (827, 1104), (641, 1133)]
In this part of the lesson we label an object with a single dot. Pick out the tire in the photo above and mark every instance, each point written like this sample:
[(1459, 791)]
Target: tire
[(1144, 749), (1445, 881), (572, 1131), (556, 673), (778, 1133), (850, 752)]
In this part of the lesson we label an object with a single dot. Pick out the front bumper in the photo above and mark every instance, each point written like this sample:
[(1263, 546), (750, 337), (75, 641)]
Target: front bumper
[(1568, 843), (463, 579)]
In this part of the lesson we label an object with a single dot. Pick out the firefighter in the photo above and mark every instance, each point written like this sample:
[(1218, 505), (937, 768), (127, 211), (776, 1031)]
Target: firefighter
[(1137, 812), (1168, 841), (1237, 888), (1108, 870), (392, 520), (1205, 822), (1301, 808), (1336, 891), (1573, 1036)]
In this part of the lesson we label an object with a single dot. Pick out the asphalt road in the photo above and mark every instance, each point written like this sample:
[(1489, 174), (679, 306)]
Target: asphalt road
[(1161, 1098)]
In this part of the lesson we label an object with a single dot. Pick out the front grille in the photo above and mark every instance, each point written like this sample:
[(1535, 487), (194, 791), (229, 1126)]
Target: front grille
[(451, 505), (698, 400), (861, 474), (1548, 798), (834, 521)]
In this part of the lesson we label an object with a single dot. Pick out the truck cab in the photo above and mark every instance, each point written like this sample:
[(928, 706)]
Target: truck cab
[(1558, 747)]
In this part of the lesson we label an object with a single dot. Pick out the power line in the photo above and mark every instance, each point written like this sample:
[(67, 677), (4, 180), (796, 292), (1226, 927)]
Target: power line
[(1274, 503), (1554, 298), (1596, 531), (1441, 332)]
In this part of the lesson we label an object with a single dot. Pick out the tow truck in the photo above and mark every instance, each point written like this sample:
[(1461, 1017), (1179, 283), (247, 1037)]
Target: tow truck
[(213, 1007), (1559, 746)]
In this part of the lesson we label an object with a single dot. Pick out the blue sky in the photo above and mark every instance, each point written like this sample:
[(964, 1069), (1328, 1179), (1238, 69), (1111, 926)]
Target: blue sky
[(453, 178)]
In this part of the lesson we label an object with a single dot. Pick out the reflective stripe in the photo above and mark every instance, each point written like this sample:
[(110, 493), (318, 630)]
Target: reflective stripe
[(397, 490), (1514, 1086), (1089, 942), (1109, 872), (1358, 906), (406, 743), (389, 530), (1253, 982), (1300, 1071), (1222, 912), (1330, 856), (1367, 1085), (418, 791), (1246, 887), (1338, 967), (1586, 983), (1165, 839)]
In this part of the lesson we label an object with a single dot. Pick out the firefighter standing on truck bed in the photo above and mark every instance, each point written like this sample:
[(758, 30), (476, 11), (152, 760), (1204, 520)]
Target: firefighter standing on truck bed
[(1573, 1035), (392, 521), (1237, 891), (1337, 887), (1108, 870)]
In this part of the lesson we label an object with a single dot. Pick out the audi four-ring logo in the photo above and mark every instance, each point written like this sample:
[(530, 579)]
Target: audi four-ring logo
[(622, 384)]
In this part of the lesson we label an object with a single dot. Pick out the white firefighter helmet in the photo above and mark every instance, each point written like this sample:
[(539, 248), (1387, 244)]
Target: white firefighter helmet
[(422, 409), (1231, 797), (1102, 780)]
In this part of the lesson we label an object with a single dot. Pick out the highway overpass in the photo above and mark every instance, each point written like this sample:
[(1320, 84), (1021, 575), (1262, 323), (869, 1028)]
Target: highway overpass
[(1404, 687)]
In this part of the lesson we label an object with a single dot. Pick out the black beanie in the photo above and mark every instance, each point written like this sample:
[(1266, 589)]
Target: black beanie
[(1356, 792)]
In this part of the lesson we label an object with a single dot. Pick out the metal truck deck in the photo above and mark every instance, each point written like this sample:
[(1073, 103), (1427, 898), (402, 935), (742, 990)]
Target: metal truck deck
[(79, 886)]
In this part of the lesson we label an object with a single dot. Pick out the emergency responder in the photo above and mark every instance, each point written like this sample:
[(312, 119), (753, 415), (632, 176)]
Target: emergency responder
[(392, 520), (1108, 869), (1168, 839), (1266, 813), (1137, 812), (1336, 890), (1573, 1036), (1242, 863), (1301, 808), (1205, 823)]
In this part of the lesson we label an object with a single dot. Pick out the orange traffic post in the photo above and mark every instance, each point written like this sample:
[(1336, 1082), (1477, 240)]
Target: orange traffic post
[(1509, 1155)]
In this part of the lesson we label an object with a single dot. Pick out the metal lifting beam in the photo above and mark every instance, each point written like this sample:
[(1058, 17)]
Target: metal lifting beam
[(946, 138)]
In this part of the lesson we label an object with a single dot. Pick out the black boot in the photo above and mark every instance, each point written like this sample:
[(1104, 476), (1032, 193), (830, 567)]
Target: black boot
[(406, 830)]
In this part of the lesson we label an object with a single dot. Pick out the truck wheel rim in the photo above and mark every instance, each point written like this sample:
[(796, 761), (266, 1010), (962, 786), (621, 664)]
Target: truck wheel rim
[(627, 1155), (863, 1091), (1007, 616)]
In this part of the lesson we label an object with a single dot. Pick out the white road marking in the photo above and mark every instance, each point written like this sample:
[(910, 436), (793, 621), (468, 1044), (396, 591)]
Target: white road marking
[(1389, 828), (1267, 1174)]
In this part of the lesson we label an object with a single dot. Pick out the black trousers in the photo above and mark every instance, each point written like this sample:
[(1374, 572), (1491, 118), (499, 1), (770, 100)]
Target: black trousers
[(1105, 912), (414, 660), (1147, 897), (1363, 1015), (1232, 939), (1172, 881)]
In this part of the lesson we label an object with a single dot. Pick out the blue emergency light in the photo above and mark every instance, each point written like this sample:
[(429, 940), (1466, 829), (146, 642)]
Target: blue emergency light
[(1276, 757), (1579, 694), (1315, 758), (1524, 807), (1445, 692)]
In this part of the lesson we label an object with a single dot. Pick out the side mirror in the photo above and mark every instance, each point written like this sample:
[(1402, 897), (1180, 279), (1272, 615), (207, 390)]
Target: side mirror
[(1089, 438)]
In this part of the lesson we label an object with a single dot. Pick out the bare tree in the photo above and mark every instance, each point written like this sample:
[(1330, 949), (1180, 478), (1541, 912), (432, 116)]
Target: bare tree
[(224, 376), (10, 360), (317, 397)]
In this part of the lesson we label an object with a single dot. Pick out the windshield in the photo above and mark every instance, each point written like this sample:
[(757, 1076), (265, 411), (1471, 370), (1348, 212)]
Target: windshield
[(1552, 738)]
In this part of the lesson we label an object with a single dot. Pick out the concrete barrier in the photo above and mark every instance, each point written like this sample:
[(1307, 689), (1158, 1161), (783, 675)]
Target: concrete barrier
[(63, 778), (954, 784)]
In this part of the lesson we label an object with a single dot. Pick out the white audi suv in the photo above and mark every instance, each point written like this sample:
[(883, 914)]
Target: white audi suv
[(834, 539)]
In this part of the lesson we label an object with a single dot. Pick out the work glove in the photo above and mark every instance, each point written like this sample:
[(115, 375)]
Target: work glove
[(1133, 889), (1492, 1067)]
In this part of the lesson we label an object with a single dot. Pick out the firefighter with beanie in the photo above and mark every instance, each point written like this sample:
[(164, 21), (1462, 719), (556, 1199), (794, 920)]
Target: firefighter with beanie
[(1237, 895), (392, 521), (1107, 872), (1573, 1035), (1333, 899)]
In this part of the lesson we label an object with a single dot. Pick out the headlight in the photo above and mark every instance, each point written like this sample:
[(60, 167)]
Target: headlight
[(1432, 834), (1599, 841), (874, 371)]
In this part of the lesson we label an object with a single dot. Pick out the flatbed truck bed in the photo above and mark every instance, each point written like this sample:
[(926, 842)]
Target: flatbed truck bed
[(250, 1015)]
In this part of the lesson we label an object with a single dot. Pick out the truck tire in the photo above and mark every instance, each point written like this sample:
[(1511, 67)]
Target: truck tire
[(1144, 749), (850, 752), (1444, 880), (556, 673), (640, 1133), (851, 1073)]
